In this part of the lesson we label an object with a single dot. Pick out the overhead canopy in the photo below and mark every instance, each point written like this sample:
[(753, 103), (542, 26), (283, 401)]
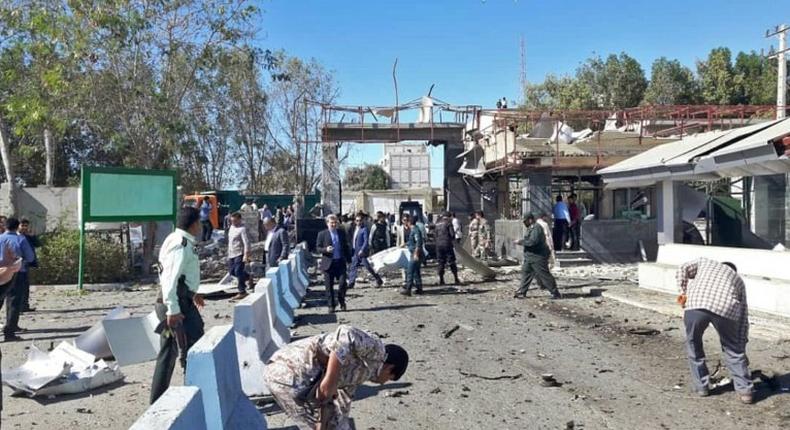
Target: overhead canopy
[(701, 157)]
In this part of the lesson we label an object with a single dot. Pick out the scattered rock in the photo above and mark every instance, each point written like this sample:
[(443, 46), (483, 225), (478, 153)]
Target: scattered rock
[(84, 411), (396, 393), (436, 390), (548, 381)]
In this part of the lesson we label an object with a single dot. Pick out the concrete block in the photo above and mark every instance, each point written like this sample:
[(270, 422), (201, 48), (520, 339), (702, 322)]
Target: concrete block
[(212, 366), (285, 312), (299, 286), (277, 329), (769, 295), (290, 291), (301, 264), (179, 408), (254, 343), (753, 262)]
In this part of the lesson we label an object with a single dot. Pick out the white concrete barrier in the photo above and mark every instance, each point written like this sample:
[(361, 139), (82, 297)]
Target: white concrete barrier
[(285, 312), (301, 260), (179, 408), (299, 285), (277, 328), (765, 273), (212, 366), (288, 284), (254, 344)]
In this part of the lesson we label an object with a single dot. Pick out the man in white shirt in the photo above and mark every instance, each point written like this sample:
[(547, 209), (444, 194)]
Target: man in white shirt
[(238, 254)]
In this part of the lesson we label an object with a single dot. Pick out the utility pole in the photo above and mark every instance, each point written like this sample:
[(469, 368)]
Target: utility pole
[(781, 80)]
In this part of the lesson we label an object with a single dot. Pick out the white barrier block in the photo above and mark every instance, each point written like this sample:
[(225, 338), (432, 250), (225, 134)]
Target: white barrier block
[(293, 267), (285, 312), (254, 343), (289, 287), (179, 408), (277, 329), (212, 366)]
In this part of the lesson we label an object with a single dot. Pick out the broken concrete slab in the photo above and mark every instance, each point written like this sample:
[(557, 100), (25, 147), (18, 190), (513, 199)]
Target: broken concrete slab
[(389, 260), (212, 366), (64, 370), (179, 408), (94, 340), (225, 285), (133, 340)]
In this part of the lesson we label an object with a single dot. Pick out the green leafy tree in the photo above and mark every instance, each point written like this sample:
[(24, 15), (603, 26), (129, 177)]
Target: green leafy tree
[(366, 177), (755, 78), (717, 79), (671, 83)]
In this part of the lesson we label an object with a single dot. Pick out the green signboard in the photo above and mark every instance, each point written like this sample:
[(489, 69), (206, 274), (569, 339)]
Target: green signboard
[(111, 194)]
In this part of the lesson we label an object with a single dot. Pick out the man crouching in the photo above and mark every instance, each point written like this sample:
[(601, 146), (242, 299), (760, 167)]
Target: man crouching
[(314, 379)]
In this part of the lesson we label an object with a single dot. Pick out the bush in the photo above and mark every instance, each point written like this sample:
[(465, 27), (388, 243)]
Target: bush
[(59, 256)]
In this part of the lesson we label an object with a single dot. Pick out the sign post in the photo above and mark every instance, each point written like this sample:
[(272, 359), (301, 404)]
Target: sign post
[(114, 194)]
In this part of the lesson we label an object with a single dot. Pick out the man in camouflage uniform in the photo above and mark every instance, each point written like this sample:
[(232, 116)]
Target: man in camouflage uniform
[(314, 379), (536, 260), (484, 237), (178, 303)]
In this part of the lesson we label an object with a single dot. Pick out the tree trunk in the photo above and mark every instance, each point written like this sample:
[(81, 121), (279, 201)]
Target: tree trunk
[(8, 167), (49, 149)]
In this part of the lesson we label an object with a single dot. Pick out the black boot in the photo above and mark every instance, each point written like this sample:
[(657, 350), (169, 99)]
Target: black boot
[(441, 280)]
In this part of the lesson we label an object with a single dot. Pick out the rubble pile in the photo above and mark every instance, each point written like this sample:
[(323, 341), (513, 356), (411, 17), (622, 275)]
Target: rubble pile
[(214, 258)]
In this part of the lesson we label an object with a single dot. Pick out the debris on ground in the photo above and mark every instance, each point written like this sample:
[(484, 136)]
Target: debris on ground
[(644, 331), (396, 393), (490, 378), (548, 380), (449, 332), (64, 370)]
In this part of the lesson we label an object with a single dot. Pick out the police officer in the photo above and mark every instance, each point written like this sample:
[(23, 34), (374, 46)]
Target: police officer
[(178, 302), (536, 260), (445, 255)]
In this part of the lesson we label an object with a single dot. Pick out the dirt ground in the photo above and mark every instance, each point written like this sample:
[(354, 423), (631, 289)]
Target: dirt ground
[(484, 374)]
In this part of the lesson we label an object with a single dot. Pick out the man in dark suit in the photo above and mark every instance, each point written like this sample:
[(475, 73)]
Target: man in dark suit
[(276, 243), (361, 248), (335, 253)]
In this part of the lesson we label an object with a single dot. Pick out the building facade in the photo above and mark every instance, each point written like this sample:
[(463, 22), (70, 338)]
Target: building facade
[(409, 165)]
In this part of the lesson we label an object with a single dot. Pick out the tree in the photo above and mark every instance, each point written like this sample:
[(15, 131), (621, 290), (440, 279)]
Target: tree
[(716, 77), (559, 93), (366, 177), (755, 78), (295, 122), (671, 83), (619, 82)]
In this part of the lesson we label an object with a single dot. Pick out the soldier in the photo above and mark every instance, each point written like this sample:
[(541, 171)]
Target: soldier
[(536, 260), (445, 236), (178, 303), (313, 379), (474, 237), (483, 237)]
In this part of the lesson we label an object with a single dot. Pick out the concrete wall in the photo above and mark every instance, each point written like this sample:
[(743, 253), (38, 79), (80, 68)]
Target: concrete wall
[(45, 207), (617, 240)]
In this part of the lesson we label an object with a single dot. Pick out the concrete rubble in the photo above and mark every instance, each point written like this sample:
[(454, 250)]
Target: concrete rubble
[(64, 370)]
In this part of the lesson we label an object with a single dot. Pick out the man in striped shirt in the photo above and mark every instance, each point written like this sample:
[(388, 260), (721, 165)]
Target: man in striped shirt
[(713, 293)]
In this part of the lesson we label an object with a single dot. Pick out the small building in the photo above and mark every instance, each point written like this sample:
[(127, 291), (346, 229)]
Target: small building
[(408, 165)]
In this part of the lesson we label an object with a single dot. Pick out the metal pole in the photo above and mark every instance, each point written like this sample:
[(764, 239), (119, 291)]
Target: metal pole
[(781, 82)]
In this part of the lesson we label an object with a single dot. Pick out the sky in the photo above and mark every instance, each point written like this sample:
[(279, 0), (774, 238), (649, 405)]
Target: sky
[(470, 49)]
